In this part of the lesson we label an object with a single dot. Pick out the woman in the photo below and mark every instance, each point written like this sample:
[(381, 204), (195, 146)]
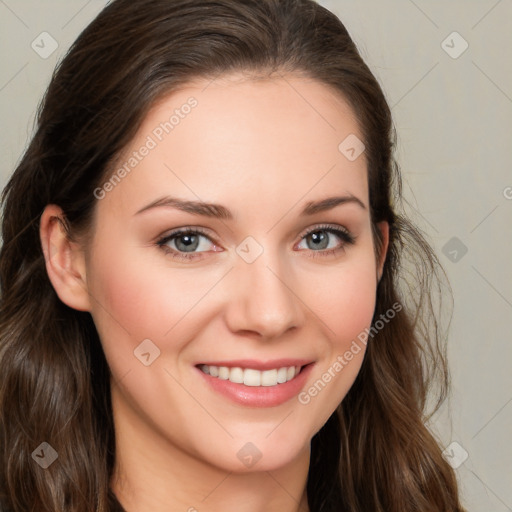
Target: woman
[(202, 276)]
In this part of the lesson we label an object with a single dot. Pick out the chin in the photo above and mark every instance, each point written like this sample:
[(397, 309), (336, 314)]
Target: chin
[(245, 456)]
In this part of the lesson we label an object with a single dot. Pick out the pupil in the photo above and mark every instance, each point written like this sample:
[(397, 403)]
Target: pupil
[(187, 241), (318, 237)]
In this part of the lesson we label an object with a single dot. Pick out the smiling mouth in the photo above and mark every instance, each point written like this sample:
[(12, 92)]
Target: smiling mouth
[(251, 376)]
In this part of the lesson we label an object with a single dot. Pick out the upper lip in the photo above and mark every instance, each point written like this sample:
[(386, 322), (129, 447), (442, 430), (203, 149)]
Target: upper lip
[(258, 365)]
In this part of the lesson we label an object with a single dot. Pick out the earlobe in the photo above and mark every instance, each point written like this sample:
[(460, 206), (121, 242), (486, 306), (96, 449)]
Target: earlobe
[(65, 262), (383, 226)]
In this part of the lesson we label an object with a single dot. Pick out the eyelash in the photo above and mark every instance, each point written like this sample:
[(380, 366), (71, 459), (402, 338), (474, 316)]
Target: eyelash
[(342, 233)]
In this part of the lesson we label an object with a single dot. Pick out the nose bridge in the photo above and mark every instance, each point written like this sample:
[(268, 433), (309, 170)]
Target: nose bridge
[(263, 299)]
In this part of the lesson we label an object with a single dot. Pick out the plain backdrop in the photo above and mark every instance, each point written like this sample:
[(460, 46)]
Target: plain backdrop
[(444, 68)]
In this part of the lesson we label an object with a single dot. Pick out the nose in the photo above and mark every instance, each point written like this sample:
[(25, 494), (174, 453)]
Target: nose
[(262, 298)]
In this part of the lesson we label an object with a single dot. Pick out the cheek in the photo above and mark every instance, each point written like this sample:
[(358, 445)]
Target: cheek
[(346, 305), (354, 307), (136, 297), (345, 299), (122, 300)]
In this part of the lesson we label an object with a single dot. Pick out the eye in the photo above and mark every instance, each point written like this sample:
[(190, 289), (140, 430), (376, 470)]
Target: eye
[(184, 243), (321, 238)]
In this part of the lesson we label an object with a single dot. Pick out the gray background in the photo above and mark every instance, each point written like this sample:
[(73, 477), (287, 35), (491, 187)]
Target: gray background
[(453, 113)]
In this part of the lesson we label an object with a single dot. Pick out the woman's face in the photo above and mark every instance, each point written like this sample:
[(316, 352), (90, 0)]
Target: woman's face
[(249, 288)]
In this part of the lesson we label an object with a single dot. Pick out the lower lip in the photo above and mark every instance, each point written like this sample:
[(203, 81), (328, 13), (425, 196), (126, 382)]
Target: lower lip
[(259, 396)]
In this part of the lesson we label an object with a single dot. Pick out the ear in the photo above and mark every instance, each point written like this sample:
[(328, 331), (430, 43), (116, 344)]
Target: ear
[(383, 226), (65, 261)]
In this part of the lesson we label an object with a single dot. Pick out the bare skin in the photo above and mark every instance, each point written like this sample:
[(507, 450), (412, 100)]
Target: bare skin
[(258, 148)]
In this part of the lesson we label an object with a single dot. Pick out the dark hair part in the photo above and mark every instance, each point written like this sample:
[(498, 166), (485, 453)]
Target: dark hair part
[(375, 452)]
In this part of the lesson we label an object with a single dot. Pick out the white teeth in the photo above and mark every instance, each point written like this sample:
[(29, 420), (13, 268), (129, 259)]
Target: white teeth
[(281, 375), (236, 375), (223, 373), (269, 378), (251, 377)]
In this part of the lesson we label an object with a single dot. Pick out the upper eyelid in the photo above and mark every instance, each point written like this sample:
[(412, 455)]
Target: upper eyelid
[(326, 227)]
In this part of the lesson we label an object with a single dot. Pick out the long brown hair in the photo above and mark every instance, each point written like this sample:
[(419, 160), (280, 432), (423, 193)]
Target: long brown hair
[(375, 452)]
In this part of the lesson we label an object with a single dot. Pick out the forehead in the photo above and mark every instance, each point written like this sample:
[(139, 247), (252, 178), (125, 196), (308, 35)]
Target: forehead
[(261, 144)]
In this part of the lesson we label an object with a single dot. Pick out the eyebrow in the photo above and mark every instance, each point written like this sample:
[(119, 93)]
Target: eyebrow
[(221, 212)]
